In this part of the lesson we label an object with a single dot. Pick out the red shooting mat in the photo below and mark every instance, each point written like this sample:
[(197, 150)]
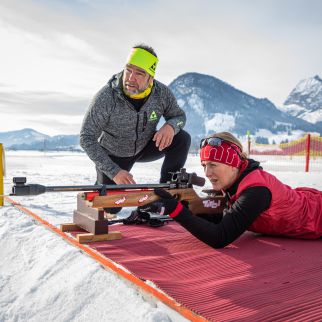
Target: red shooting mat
[(255, 279)]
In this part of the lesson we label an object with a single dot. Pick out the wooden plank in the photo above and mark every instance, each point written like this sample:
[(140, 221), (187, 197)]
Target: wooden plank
[(87, 238), (69, 227), (85, 207), (95, 227)]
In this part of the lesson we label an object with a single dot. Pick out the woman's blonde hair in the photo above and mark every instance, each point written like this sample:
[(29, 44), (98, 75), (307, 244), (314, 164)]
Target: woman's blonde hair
[(232, 139)]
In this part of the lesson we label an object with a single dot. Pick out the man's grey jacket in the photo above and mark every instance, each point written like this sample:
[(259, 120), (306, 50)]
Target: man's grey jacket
[(112, 126)]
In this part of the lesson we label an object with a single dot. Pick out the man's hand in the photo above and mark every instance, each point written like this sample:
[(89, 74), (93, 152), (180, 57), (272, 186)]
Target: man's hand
[(163, 138), (124, 177)]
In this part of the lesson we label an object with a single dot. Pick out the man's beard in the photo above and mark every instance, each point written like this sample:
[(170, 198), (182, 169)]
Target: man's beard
[(134, 91)]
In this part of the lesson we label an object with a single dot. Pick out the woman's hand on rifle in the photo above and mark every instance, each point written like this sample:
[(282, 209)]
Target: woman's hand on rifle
[(167, 205)]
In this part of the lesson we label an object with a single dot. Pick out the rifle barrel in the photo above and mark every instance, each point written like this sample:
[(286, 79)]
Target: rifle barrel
[(37, 189), (106, 187)]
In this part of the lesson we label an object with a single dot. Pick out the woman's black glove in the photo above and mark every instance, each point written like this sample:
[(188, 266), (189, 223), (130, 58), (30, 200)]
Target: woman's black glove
[(137, 217), (165, 206)]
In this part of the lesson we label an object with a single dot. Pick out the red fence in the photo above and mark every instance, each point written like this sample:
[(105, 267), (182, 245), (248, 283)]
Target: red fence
[(303, 154)]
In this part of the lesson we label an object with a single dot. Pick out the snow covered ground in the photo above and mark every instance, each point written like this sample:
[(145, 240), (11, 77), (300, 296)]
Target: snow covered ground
[(42, 278)]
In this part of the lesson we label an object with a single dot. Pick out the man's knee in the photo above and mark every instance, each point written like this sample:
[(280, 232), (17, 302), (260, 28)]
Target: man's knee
[(183, 139)]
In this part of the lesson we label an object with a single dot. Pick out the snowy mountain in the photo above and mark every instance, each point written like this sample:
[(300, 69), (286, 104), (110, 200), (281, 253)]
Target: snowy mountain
[(24, 136), (212, 105), (305, 100), (29, 139)]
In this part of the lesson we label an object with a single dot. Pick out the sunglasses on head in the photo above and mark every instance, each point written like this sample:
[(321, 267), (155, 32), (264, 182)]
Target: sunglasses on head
[(213, 141)]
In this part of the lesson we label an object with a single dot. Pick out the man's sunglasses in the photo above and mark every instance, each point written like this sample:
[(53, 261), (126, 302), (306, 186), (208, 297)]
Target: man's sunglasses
[(213, 141)]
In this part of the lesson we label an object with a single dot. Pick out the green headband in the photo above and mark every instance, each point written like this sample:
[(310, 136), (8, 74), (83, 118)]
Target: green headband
[(143, 59)]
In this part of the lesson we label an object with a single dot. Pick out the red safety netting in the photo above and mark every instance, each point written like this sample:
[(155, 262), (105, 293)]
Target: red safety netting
[(254, 279), (304, 154)]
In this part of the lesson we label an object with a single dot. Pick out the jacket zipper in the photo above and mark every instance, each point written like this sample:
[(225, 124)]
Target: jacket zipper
[(136, 131), (145, 120)]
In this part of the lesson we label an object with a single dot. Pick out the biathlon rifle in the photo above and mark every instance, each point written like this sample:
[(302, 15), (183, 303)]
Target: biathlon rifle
[(133, 195)]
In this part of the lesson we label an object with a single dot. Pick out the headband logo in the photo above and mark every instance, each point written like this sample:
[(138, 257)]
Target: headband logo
[(153, 67), (220, 154)]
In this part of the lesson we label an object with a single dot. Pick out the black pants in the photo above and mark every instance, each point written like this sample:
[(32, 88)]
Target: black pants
[(174, 155)]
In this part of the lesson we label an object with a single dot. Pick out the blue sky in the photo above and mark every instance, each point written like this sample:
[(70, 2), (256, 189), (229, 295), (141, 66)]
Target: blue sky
[(55, 55)]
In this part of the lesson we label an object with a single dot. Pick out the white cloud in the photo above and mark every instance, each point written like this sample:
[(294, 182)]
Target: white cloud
[(61, 62)]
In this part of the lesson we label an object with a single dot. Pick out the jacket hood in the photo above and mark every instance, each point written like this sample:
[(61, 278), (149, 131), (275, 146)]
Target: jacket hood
[(252, 165), (115, 82)]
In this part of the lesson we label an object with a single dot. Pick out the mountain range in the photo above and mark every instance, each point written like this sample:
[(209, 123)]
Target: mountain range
[(29, 139), (212, 106)]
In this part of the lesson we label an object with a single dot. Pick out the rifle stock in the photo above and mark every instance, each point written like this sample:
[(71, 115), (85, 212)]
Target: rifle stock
[(197, 204)]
